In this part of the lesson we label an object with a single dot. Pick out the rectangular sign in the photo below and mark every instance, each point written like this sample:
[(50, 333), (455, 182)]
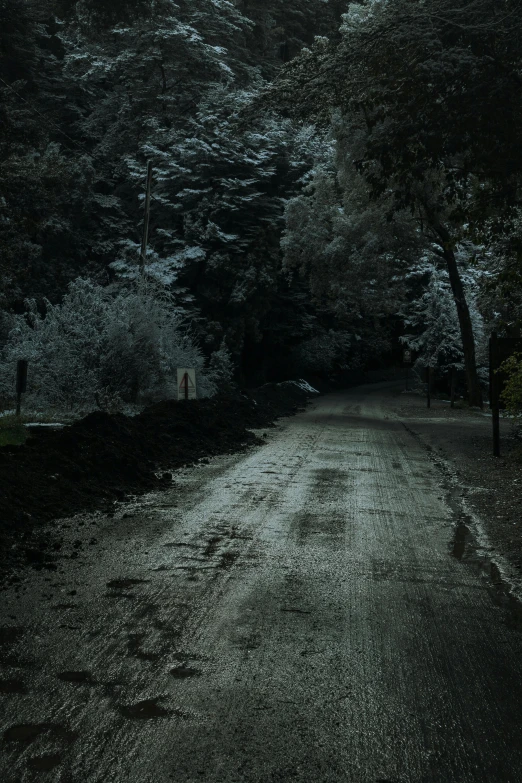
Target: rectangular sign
[(186, 383)]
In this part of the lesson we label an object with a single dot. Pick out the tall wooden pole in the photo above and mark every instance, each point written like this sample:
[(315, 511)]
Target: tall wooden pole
[(494, 392), (143, 254)]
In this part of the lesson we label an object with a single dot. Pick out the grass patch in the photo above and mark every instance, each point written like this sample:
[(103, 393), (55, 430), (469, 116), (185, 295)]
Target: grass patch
[(12, 431)]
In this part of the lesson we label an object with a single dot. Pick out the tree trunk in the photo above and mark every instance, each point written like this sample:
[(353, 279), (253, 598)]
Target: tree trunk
[(466, 330), (466, 327)]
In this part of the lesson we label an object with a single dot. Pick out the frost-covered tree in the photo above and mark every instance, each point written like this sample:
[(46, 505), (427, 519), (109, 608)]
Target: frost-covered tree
[(340, 240), (171, 86), (103, 344), (117, 84), (42, 187), (432, 85), (431, 319), (282, 27), (501, 290)]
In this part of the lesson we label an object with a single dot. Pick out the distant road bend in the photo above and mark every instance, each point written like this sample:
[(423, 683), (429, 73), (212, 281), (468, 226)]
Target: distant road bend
[(289, 614)]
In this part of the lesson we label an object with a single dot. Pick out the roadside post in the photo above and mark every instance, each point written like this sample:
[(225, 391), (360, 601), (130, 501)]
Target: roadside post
[(494, 395), (406, 359), (428, 381), (146, 219), (186, 378), (21, 382), (500, 349)]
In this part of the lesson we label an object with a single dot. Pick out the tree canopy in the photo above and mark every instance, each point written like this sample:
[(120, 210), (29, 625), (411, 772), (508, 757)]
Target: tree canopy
[(311, 160)]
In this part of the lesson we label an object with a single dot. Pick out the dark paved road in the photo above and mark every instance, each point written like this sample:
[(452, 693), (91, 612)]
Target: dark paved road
[(293, 614)]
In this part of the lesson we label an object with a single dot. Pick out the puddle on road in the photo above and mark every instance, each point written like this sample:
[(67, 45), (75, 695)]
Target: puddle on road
[(12, 686), (322, 529), (76, 677), (461, 535), (330, 483), (121, 584), (465, 548), (146, 709), (44, 763), (9, 636), (180, 672), (26, 733)]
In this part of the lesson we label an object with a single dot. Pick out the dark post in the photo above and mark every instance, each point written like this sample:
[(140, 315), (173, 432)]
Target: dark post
[(453, 386), (494, 401), (428, 378), (21, 382), (145, 237)]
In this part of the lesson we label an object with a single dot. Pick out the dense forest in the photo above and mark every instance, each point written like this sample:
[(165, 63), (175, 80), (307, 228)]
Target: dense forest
[(331, 182)]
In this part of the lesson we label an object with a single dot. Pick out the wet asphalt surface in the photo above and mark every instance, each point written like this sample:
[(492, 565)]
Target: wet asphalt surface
[(295, 613)]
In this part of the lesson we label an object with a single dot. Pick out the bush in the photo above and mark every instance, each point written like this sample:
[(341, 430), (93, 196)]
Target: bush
[(220, 371), (512, 394), (102, 347)]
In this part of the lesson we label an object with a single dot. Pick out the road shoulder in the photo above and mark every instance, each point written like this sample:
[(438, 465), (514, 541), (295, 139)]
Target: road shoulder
[(486, 491)]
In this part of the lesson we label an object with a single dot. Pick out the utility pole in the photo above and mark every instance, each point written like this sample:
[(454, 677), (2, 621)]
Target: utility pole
[(143, 254), (494, 391)]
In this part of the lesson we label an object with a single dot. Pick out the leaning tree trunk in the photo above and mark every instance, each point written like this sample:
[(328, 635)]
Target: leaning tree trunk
[(466, 330), (466, 327)]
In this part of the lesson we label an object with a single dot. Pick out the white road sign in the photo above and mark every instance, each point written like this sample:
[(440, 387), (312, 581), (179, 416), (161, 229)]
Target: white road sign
[(186, 383)]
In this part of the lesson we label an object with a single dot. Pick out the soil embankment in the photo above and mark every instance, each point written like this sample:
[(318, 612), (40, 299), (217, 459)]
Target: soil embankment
[(103, 458), (296, 613)]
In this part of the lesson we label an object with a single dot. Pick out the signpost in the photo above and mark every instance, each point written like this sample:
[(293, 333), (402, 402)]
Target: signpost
[(21, 382), (145, 237), (500, 349), (186, 383)]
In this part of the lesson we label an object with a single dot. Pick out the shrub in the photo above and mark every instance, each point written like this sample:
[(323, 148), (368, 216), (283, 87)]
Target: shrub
[(102, 347), (512, 393), (220, 372)]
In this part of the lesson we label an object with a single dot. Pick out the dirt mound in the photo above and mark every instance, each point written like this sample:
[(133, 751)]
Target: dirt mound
[(102, 458), (283, 399)]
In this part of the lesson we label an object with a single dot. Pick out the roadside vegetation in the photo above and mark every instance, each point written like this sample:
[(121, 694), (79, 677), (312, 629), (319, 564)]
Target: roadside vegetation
[(331, 182), (512, 394), (104, 347), (12, 430)]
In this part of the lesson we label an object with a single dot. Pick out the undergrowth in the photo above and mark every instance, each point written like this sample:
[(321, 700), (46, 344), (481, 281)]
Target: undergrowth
[(12, 431)]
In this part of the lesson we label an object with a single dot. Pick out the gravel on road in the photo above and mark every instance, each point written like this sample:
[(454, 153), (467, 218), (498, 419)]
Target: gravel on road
[(301, 611)]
